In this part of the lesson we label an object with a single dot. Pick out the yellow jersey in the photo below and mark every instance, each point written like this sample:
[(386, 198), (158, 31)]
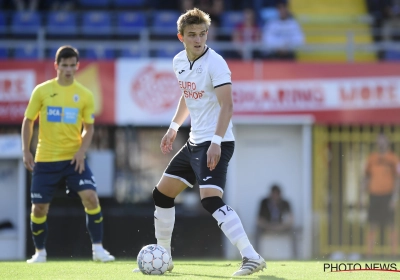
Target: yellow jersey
[(62, 110)]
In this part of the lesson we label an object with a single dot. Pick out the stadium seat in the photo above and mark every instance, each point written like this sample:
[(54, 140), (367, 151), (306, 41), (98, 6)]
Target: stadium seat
[(164, 22), (3, 53), (169, 51), (3, 24), (61, 23), (96, 24), (132, 52), (392, 55), (28, 51), (229, 20), (99, 52), (128, 3), (130, 23), (94, 3), (25, 23)]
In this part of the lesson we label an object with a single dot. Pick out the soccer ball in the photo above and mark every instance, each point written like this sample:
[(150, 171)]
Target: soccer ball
[(153, 259)]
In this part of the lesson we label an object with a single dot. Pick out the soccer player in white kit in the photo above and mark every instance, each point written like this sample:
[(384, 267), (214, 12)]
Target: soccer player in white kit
[(205, 81)]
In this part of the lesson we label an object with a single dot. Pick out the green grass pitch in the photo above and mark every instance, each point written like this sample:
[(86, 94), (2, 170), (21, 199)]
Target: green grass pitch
[(184, 269)]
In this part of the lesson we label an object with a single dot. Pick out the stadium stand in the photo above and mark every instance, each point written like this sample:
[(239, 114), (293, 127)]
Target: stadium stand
[(25, 23), (27, 51), (3, 53), (99, 52), (130, 23), (133, 51), (61, 23), (94, 3), (129, 3), (327, 23), (163, 23), (96, 24)]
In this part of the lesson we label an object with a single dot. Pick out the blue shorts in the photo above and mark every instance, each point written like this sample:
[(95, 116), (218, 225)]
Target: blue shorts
[(48, 176)]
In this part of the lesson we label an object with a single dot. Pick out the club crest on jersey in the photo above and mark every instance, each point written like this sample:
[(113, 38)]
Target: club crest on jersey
[(199, 70), (76, 97)]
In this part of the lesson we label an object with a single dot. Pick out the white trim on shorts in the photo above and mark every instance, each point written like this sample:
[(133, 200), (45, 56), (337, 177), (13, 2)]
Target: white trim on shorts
[(211, 187), (179, 178)]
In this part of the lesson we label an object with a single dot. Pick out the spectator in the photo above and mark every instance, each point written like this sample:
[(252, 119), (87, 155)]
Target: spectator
[(391, 25), (24, 5), (275, 214), (246, 32), (275, 217), (281, 36), (381, 182)]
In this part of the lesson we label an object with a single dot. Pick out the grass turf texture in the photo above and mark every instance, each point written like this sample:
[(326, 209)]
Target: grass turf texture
[(184, 269)]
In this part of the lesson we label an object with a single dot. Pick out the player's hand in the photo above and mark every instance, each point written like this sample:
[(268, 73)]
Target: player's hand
[(167, 140), (213, 156), (79, 160), (28, 161)]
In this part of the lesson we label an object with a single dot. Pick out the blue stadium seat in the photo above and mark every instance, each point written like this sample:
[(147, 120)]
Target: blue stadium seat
[(164, 22), (99, 52), (169, 51), (3, 23), (96, 24), (132, 52), (129, 3), (130, 23), (229, 20), (61, 23), (94, 3), (28, 51), (25, 23), (392, 55), (3, 53)]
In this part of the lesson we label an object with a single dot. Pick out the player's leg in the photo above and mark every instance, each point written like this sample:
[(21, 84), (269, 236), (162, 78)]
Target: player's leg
[(45, 179), (212, 184), (39, 231), (177, 176), (85, 186)]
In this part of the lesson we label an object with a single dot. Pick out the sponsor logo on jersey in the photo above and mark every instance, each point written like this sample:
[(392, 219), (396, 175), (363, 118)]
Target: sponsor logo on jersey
[(70, 115), (54, 114), (180, 72), (208, 177), (189, 90), (53, 94)]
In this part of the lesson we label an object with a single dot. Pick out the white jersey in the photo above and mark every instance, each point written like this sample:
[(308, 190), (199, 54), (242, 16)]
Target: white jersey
[(197, 81)]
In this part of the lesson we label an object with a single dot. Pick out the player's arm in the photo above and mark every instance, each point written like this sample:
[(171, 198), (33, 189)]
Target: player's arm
[(26, 135), (87, 134), (182, 112), (31, 113), (79, 157), (364, 184), (224, 95)]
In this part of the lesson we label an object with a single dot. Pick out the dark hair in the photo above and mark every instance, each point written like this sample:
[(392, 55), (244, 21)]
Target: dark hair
[(276, 188), (66, 52)]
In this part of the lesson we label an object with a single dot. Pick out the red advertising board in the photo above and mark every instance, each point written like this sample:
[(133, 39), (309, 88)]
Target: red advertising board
[(330, 93), (18, 78)]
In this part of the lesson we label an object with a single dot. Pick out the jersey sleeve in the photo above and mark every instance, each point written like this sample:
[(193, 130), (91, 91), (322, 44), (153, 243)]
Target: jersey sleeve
[(219, 72), (34, 105), (88, 110)]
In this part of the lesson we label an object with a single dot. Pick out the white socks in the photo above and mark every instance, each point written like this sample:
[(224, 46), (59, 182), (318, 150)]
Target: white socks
[(230, 224), (97, 247), (42, 253), (164, 220)]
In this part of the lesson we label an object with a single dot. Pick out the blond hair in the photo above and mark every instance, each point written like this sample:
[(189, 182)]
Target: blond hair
[(193, 16)]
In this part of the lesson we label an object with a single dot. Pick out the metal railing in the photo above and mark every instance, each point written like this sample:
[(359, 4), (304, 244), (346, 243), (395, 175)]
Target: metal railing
[(146, 44)]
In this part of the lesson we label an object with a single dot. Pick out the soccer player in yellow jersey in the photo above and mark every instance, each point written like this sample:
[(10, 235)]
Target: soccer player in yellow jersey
[(64, 106)]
